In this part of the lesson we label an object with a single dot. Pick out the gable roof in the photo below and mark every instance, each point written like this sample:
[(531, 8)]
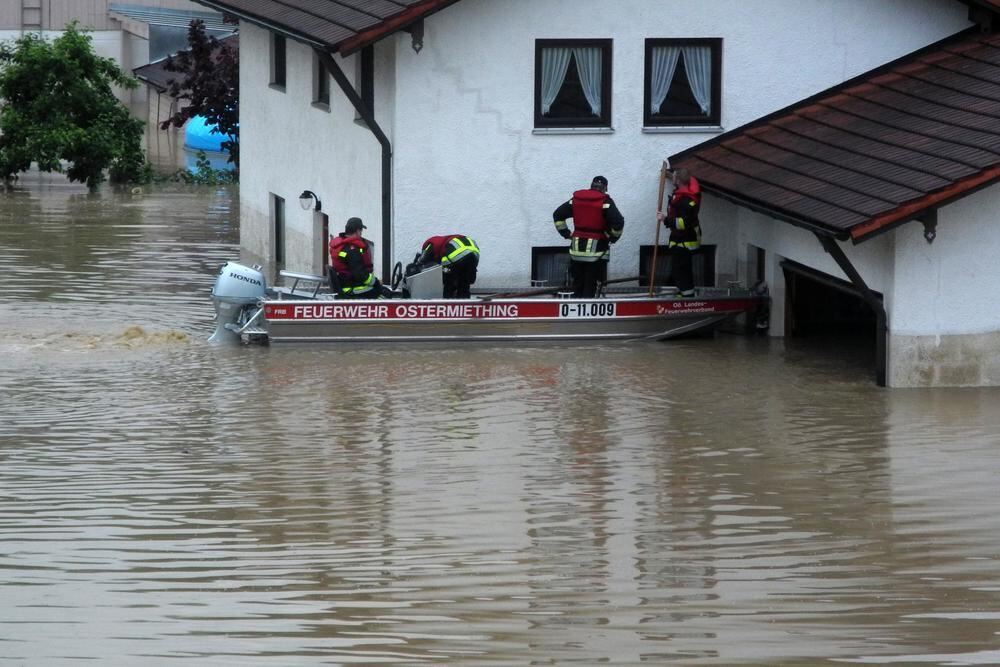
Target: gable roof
[(343, 26), (156, 75), (871, 153)]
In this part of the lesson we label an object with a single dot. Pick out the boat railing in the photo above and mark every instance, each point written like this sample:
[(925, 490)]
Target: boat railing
[(317, 283)]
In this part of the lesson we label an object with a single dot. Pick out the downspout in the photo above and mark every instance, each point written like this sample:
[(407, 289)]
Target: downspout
[(881, 320), (369, 118)]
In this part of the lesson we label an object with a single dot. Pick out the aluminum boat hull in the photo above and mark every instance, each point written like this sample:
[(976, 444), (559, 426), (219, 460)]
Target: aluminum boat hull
[(525, 319)]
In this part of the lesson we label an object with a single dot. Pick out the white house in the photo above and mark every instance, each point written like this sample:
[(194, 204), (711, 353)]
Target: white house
[(481, 116)]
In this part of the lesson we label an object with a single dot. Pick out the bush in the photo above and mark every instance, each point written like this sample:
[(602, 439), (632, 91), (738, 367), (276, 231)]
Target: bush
[(60, 111)]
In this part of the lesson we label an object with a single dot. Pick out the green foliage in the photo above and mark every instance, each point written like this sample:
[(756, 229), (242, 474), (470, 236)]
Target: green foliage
[(205, 174), (59, 107), (210, 85)]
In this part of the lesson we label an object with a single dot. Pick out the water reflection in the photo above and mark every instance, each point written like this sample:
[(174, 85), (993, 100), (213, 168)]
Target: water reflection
[(702, 502)]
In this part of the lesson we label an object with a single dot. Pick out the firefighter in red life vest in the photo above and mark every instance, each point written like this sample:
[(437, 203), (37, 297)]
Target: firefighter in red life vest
[(352, 266), (459, 259), (685, 229), (597, 223)]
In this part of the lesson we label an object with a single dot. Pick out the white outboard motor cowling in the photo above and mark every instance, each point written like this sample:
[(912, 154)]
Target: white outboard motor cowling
[(237, 289)]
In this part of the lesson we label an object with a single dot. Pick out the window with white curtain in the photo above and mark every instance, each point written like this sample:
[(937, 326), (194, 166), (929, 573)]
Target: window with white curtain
[(573, 83), (683, 82)]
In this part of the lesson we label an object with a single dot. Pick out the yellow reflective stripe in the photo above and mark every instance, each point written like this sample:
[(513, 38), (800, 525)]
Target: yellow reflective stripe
[(680, 223), (363, 287), (588, 251), (461, 250), (690, 245), (607, 205), (691, 203), (341, 254), (560, 224)]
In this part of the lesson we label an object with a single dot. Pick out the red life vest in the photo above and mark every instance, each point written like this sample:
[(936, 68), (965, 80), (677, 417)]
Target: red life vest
[(341, 242), (439, 245), (588, 214), (691, 191)]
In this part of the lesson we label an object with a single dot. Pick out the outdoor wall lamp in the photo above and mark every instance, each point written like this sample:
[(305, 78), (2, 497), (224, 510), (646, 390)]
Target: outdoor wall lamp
[(306, 200)]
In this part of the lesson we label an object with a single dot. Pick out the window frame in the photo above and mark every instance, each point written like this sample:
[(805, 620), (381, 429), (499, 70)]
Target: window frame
[(279, 231), (321, 85), (537, 252), (714, 119), (279, 61), (607, 52), (364, 81)]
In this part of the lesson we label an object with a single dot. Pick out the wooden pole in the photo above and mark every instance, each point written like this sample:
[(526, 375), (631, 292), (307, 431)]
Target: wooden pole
[(664, 168)]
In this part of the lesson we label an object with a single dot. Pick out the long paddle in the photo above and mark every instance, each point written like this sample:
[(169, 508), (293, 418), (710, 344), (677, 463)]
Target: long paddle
[(664, 170), (547, 290)]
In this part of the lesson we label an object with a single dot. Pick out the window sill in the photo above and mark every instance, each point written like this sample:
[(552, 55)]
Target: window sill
[(322, 106), (573, 130), (684, 129), (276, 86)]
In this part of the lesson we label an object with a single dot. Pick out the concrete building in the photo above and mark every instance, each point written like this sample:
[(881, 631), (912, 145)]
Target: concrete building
[(481, 116), (133, 33)]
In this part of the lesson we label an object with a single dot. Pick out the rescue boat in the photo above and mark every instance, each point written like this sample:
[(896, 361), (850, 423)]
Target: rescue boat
[(249, 310)]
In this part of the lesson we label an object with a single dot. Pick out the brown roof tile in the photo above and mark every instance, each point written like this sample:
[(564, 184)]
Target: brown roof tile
[(871, 153), (339, 25)]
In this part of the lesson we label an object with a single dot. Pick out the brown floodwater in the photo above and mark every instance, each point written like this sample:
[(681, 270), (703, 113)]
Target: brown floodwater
[(706, 502)]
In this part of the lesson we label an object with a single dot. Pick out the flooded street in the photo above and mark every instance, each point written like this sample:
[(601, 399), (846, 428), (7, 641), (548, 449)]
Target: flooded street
[(707, 502)]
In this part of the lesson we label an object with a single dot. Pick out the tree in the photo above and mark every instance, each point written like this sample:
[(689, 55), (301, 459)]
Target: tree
[(210, 86), (59, 106)]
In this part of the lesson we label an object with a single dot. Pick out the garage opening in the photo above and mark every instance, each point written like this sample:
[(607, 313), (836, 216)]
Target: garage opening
[(830, 312)]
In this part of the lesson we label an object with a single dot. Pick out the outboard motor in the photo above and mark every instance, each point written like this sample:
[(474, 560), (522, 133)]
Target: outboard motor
[(235, 294)]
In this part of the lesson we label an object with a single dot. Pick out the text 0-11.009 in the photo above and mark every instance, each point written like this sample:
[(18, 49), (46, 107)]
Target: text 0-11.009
[(586, 310)]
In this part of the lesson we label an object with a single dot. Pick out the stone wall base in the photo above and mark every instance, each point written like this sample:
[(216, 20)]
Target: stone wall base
[(960, 360)]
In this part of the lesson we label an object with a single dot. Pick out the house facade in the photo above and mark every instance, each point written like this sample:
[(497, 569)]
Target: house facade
[(482, 116)]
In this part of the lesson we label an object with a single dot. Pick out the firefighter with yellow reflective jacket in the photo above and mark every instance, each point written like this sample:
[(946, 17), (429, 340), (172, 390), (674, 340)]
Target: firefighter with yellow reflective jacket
[(685, 229), (351, 265), (597, 223), (459, 259)]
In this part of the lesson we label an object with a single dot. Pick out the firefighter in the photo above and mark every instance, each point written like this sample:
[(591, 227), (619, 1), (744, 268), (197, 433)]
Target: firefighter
[(458, 256), (351, 265), (685, 229), (597, 223)]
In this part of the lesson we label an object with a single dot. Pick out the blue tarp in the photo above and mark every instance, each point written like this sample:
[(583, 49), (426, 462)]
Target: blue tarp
[(199, 136)]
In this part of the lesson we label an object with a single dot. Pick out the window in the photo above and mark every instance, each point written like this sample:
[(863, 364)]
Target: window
[(321, 84), (573, 83), (278, 220), (364, 77), (550, 265), (277, 61), (702, 265), (683, 82)]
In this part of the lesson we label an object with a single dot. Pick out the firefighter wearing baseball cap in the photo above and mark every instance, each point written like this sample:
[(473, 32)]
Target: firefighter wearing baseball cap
[(352, 266), (597, 223)]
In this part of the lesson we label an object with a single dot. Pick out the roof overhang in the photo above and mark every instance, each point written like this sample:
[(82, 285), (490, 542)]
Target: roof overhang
[(298, 20), (872, 153)]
